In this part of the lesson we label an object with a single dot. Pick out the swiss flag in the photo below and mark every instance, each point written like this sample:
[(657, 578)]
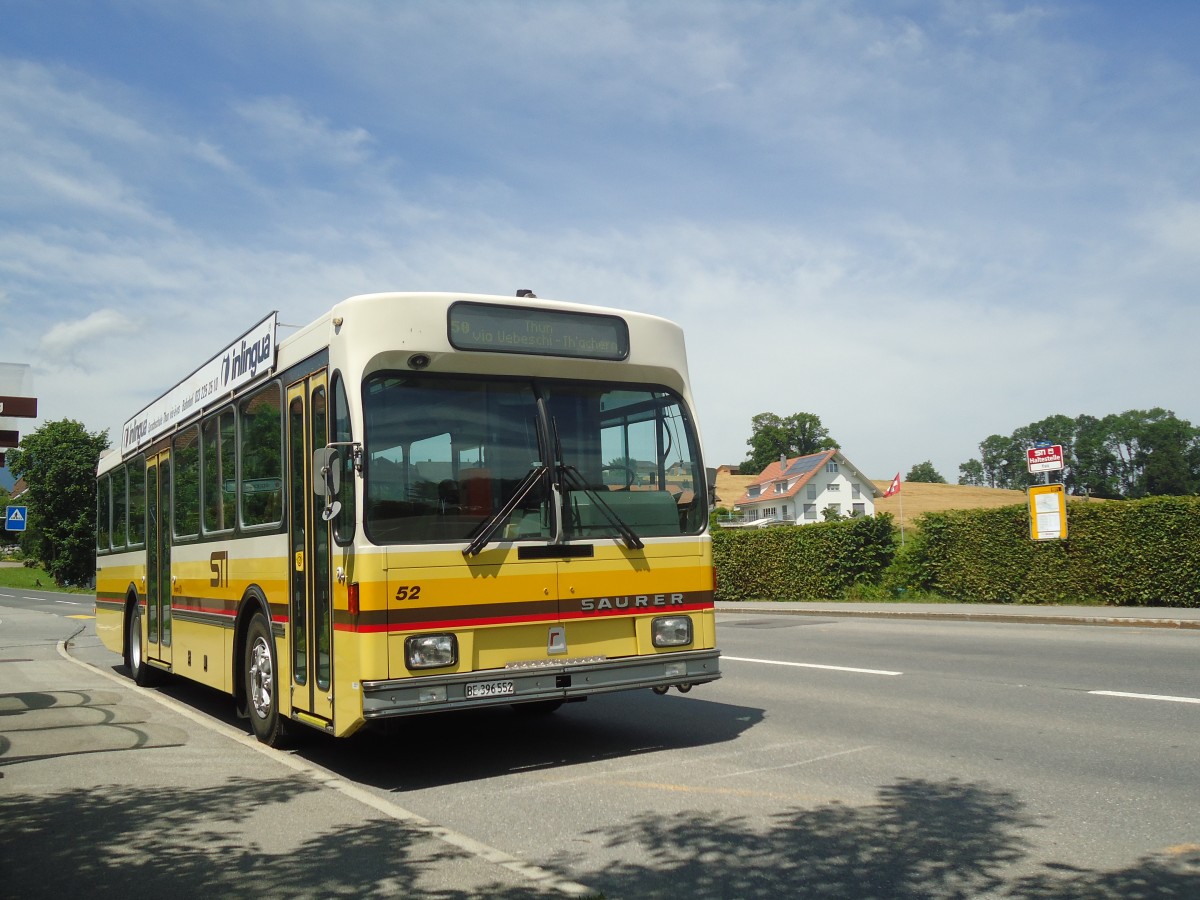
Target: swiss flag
[(894, 487)]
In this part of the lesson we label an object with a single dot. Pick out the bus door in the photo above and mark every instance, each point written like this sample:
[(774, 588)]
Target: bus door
[(158, 557), (311, 644)]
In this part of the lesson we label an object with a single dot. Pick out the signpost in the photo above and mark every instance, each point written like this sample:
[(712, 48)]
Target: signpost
[(15, 518), (1047, 512), (1047, 502), (1047, 458)]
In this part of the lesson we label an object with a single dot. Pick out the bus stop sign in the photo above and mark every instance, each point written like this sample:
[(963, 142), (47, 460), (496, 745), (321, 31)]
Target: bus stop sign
[(15, 517), (1044, 459)]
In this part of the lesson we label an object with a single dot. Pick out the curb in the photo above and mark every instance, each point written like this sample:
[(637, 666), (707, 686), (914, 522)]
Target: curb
[(1015, 618), (539, 878)]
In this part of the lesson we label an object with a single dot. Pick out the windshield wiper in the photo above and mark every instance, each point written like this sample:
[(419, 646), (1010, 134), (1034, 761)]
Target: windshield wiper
[(491, 525), (576, 481)]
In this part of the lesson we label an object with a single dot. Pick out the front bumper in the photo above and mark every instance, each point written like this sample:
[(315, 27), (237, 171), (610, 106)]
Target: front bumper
[(542, 680)]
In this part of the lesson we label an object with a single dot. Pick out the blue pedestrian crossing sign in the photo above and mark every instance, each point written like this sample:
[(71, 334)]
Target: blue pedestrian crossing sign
[(14, 518)]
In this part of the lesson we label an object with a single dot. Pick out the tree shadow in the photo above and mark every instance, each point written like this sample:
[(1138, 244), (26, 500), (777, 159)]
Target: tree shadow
[(1174, 873), (39, 725), (116, 841), (921, 839)]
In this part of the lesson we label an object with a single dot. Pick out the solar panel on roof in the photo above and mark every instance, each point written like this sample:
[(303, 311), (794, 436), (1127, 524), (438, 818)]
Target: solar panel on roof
[(805, 464)]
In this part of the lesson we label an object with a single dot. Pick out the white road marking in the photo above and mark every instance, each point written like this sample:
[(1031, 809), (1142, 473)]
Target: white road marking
[(779, 662), (803, 762), (1146, 696)]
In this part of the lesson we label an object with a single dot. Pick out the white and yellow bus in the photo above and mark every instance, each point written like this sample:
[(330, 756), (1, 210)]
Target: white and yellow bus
[(416, 503)]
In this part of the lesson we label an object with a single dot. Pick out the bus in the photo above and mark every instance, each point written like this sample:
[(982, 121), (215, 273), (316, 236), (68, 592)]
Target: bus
[(419, 502)]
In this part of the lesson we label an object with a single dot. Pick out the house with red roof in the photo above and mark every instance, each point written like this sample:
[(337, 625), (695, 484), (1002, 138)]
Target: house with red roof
[(797, 491)]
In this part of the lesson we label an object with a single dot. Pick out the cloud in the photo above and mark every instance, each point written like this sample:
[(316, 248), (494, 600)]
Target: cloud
[(289, 133), (64, 340)]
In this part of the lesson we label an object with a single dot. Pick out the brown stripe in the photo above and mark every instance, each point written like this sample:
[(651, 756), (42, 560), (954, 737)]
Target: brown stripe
[(533, 609)]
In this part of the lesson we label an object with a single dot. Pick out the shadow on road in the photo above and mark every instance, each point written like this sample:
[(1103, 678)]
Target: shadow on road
[(921, 839), (454, 748), (54, 724), (111, 841)]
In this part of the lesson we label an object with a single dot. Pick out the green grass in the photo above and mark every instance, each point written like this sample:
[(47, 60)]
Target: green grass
[(29, 577)]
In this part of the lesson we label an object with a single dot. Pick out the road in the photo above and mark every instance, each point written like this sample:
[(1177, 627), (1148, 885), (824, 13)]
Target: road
[(836, 758), (929, 759)]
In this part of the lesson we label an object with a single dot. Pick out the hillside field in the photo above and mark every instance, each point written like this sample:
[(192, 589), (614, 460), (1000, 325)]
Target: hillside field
[(915, 497)]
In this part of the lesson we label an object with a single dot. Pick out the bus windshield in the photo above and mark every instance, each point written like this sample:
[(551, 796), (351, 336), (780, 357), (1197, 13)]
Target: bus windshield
[(444, 454)]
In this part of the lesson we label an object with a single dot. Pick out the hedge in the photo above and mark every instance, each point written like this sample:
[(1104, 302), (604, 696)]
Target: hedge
[(810, 562), (1118, 553), (1131, 553)]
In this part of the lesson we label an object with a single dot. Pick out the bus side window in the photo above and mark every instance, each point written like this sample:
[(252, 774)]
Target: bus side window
[(220, 474), (119, 505), (137, 502), (102, 512), (260, 454), (185, 459)]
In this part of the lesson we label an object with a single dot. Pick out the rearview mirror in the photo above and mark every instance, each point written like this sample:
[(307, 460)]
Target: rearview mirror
[(327, 475), (327, 480)]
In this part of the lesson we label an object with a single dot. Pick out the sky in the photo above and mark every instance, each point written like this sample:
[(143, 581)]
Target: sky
[(925, 222)]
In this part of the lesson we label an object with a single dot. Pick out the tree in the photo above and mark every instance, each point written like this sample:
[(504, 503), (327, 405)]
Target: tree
[(971, 472), (831, 513), (58, 462), (798, 435), (1130, 454), (995, 453), (925, 472), (7, 538), (1096, 470), (1167, 456)]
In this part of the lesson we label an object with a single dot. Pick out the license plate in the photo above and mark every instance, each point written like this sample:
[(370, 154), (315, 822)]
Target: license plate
[(489, 689)]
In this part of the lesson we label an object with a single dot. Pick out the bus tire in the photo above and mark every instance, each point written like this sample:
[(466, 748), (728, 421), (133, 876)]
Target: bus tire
[(262, 684), (135, 656)]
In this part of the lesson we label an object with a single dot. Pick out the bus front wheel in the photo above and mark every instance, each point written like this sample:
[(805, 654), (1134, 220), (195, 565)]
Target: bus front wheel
[(135, 659), (262, 684)]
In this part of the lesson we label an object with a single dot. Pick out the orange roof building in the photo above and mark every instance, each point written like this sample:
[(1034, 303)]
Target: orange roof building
[(798, 490)]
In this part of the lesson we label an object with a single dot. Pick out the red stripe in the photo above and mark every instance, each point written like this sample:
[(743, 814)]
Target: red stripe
[(451, 624), (639, 611)]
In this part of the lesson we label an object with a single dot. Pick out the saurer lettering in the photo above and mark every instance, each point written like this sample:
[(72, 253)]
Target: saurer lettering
[(635, 601)]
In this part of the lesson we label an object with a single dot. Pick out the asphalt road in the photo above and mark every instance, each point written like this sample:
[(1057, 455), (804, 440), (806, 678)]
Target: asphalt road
[(837, 758), (846, 758)]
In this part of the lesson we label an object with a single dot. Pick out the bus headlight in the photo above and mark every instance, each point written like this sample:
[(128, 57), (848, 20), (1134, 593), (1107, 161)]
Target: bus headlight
[(672, 631), (430, 651)]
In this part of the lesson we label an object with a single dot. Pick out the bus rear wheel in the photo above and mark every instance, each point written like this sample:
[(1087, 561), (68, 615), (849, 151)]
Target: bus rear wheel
[(262, 684)]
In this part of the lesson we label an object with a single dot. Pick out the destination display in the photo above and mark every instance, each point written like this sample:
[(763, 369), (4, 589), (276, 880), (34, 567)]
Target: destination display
[(544, 332)]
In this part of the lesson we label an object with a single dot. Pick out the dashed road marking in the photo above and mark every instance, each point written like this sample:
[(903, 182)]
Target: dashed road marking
[(780, 662), (1145, 696)]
